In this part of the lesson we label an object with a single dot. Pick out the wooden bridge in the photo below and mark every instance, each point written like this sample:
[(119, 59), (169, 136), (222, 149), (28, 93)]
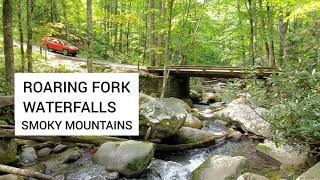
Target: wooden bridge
[(211, 71)]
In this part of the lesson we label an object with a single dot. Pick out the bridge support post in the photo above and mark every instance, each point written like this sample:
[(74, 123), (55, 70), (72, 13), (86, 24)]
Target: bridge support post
[(178, 87)]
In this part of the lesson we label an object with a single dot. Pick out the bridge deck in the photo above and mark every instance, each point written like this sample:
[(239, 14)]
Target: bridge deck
[(211, 71)]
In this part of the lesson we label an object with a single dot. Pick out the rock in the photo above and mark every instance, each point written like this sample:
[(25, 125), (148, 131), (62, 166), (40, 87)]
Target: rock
[(193, 122), (11, 177), (8, 150), (234, 135), (211, 97), (195, 96), (285, 154), (129, 158), (37, 167), (165, 116), (188, 102), (59, 148), (28, 156), (219, 87), (217, 105), (217, 127), (190, 135), (237, 111), (57, 164), (312, 173), (44, 152), (251, 176), (221, 168), (143, 98)]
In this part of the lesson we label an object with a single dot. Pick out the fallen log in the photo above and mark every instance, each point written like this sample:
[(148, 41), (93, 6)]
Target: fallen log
[(98, 140), (25, 172), (6, 101)]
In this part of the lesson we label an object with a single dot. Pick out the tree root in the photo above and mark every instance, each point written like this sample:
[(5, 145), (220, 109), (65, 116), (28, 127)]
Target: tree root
[(25, 172)]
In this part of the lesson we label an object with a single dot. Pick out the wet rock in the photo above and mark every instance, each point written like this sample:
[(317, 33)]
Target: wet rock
[(251, 176), (58, 164), (21, 142), (211, 97), (195, 96), (129, 158), (8, 150), (59, 148), (285, 154), (28, 156), (219, 87), (237, 111), (221, 168), (193, 122), (164, 116), (217, 127), (143, 98), (44, 152), (190, 135), (188, 102), (312, 173)]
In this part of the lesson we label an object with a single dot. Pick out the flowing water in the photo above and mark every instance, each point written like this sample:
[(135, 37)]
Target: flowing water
[(179, 165)]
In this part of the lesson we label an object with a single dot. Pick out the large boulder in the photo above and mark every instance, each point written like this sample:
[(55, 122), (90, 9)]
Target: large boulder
[(129, 158), (193, 122), (312, 173), (161, 117), (8, 150), (243, 115), (251, 176), (190, 135), (285, 154), (220, 167)]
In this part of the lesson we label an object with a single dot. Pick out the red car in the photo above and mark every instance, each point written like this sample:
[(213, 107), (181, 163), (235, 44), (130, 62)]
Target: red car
[(60, 45)]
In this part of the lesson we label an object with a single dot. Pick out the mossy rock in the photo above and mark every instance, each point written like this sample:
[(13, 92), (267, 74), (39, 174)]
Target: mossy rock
[(129, 158)]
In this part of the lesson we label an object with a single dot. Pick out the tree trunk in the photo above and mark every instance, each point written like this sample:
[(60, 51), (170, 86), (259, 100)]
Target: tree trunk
[(251, 20), (272, 62), (145, 32), (52, 10), (90, 39), (115, 41), (263, 30), (123, 7), (29, 28), (168, 43), (152, 38), (128, 30), (159, 56), (282, 26), (66, 23), (25, 172), (20, 21), (8, 44)]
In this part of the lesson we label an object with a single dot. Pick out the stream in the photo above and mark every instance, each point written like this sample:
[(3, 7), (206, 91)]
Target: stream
[(179, 165)]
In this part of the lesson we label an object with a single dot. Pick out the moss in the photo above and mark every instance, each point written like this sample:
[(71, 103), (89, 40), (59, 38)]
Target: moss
[(263, 148)]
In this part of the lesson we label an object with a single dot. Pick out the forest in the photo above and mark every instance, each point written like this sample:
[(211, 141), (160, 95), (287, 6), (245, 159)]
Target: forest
[(278, 116)]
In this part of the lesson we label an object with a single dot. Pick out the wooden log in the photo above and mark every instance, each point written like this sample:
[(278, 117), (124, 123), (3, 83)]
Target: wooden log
[(6, 101), (98, 140), (25, 172)]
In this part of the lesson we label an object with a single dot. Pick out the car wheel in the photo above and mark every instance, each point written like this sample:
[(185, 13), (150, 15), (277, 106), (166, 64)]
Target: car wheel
[(65, 52), (74, 54)]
